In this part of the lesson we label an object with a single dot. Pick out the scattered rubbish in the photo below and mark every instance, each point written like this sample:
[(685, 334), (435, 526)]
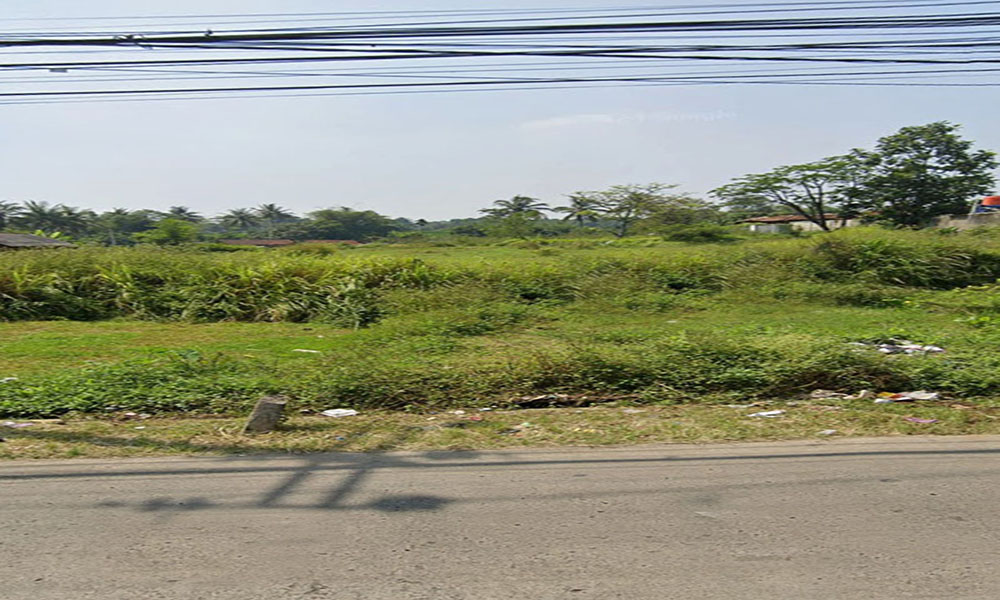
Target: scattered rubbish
[(340, 438), (825, 394), (140, 427), (919, 420), (517, 429), (13, 425), (633, 411), (458, 412), (862, 395), (768, 414), (339, 412), (475, 418), (897, 346), (309, 351), (7, 379), (827, 432), (889, 398), (487, 409)]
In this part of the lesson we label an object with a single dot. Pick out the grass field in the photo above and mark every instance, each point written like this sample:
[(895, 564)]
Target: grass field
[(414, 329)]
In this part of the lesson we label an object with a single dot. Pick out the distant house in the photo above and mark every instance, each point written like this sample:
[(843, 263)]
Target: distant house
[(20, 241), (785, 223), (279, 243), (261, 243)]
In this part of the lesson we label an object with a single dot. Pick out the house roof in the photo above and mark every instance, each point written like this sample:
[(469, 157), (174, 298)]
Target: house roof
[(26, 240), (258, 242), (786, 219), (351, 242)]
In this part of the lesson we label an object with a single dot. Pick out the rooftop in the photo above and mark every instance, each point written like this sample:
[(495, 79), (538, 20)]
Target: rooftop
[(27, 240)]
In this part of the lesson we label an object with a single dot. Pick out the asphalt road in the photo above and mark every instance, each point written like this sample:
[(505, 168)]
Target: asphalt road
[(885, 518)]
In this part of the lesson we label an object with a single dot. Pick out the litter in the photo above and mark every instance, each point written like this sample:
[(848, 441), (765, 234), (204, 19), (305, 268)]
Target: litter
[(919, 420), (633, 411), (517, 429), (487, 409), (889, 398), (475, 418), (140, 427), (827, 432), (825, 394), (862, 395), (309, 351), (339, 412), (13, 425), (768, 414), (7, 379), (458, 412), (895, 346)]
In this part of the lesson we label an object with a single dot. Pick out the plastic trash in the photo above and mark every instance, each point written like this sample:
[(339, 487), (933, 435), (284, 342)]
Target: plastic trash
[(825, 394), (13, 425), (458, 412), (339, 412), (894, 346), (8, 379), (919, 420), (633, 411), (888, 398), (827, 432), (862, 395), (768, 414), (309, 351)]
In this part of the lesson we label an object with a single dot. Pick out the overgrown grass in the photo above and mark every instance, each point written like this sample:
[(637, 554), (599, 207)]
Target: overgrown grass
[(656, 322)]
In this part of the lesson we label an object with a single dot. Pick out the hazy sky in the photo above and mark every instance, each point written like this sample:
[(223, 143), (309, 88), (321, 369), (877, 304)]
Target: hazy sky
[(433, 155)]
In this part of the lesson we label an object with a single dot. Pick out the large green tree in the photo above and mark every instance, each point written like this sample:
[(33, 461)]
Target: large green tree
[(920, 172), (626, 205), (810, 190), (523, 206)]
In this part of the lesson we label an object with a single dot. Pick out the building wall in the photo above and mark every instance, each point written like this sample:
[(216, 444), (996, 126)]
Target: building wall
[(962, 222)]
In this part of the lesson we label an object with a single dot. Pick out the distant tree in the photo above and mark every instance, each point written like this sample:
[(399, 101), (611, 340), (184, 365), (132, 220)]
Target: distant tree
[(810, 190), (170, 232), (341, 224), (239, 218), (920, 172), (628, 204), (52, 218), (183, 213), (8, 212), (583, 208), (272, 215), (117, 224), (525, 206)]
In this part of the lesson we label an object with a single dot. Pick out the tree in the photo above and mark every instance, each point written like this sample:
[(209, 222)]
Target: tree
[(342, 224), (183, 213), (170, 232), (627, 204), (524, 206), (8, 211), (921, 172), (272, 214), (45, 217), (810, 190), (583, 208), (239, 218), (118, 223)]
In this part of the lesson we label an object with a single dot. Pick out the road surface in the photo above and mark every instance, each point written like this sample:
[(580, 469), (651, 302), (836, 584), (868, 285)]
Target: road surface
[(883, 518)]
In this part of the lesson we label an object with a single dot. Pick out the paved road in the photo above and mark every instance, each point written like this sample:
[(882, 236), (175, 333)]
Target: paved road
[(888, 518)]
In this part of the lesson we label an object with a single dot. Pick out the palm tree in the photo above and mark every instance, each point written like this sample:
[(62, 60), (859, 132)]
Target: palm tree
[(525, 206), (183, 213), (8, 211), (113, 222), (272, 214), (582, 208), (239, 218), (39, 215)]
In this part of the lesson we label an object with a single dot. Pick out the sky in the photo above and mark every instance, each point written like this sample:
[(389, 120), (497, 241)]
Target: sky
[(433, 156)]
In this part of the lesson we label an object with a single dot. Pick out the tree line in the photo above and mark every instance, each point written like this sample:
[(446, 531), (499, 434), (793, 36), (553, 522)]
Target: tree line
[(907, 179)]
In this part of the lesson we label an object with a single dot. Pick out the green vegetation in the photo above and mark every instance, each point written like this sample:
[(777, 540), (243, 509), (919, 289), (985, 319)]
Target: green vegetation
[(418, 328)]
